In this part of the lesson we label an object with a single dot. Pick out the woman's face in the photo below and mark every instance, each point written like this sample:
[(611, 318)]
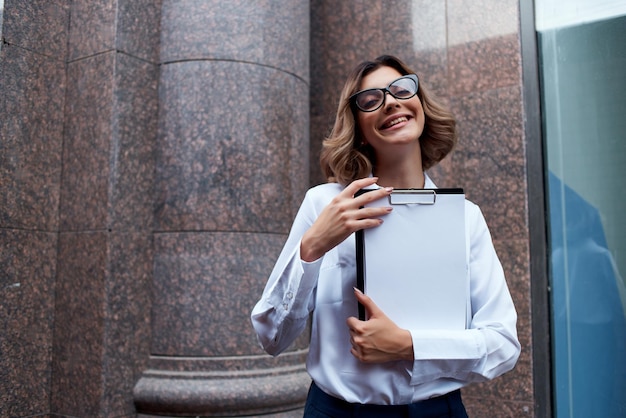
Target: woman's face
[(397, 124)]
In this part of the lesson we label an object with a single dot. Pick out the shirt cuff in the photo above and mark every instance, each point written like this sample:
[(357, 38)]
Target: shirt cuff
[(291, 298), (445, 353)]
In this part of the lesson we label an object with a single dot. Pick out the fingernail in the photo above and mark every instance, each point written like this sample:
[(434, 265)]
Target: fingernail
[(356, 290)]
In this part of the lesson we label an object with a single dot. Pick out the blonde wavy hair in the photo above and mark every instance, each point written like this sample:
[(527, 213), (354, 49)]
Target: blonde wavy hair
[(344, 158)]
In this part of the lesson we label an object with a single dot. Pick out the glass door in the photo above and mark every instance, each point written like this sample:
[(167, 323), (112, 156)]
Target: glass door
[(582, 55)]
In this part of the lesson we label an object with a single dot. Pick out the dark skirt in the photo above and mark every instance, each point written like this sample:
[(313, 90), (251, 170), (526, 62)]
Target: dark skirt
[(321, 405)]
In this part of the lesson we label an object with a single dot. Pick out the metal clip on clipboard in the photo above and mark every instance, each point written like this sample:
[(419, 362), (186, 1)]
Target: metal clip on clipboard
[(412, 197)]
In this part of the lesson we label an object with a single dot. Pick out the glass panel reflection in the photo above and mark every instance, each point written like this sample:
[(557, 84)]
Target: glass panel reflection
[(584, 108)]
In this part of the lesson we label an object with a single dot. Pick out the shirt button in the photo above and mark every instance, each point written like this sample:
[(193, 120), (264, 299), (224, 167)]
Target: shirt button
[(289, 295), (285, 306)]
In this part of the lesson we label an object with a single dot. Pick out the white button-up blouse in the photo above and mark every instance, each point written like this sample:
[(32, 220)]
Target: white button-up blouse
[(444, 360)]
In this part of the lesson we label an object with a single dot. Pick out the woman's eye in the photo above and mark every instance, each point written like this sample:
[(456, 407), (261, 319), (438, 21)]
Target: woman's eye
[(400, 91), (369, 100)]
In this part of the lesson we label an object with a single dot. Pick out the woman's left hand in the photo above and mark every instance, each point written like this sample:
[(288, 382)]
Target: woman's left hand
[(378, 339)]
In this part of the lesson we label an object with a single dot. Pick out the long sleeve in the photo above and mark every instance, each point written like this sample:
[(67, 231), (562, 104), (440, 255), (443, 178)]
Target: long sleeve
[(289, 296), (489, 347)]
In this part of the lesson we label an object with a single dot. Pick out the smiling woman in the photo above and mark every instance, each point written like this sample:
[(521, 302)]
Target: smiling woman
[(346, 156), (387, 132)]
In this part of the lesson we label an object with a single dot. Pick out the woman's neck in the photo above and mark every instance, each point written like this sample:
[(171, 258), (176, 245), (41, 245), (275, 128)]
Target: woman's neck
[(405, 176), (400, 167)]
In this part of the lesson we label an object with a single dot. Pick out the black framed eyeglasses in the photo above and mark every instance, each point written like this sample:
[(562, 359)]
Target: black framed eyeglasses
[(369, 100)]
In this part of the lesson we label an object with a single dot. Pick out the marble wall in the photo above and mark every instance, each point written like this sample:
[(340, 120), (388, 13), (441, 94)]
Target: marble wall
[(153, 155), (79, 118), (104, 267), (32, 86)]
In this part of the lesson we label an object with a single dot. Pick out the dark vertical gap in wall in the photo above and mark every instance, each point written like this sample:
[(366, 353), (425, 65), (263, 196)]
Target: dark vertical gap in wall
[(1, 16), (537, 215)]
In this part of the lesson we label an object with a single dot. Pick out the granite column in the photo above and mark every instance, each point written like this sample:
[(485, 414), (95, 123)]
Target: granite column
[(232, 167)]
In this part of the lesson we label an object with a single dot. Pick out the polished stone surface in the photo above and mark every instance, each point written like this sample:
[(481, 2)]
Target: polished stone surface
[(129, 26), (295, 413), (79, 344), (132, 152), (39, 26), (231, 170), (92, 28), (223, 166), (203, 394), (269, 33), (32, 127), (107, 198), (102, 312), (86, 150), (129, 297), (27, 262), (481, 20), (108, 167), (485, 406), (485, 65), (490, 157), (139, 28), (205, 285)]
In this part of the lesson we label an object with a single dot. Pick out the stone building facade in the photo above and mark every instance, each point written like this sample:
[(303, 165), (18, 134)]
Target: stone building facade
[(153, 155)]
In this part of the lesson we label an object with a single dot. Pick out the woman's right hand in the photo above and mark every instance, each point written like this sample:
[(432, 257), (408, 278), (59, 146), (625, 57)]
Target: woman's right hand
[(344, 215)]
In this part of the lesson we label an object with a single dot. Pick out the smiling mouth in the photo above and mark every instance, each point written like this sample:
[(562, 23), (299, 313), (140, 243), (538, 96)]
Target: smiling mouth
[(395, 122)]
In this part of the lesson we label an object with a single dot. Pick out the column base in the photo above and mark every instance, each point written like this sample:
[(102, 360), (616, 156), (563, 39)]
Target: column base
[(223, 394)]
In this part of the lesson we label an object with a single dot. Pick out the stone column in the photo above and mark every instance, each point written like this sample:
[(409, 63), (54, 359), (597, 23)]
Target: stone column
[(232, 168)]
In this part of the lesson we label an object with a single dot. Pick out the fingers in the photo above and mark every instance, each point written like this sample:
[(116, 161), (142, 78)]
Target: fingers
[(359, 184), (350, 210), (370, 196), (359, 202), (356, 352), (370, 307), (356, 339), (372, 310), (343, 216)]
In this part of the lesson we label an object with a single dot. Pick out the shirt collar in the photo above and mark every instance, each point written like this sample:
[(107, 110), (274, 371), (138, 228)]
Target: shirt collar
[(428, 183)]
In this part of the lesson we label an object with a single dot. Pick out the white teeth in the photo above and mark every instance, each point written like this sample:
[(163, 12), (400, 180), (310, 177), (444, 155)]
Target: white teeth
[(396, 121)]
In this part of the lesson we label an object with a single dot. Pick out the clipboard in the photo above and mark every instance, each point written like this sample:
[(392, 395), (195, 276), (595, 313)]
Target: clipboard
[(414, 265)]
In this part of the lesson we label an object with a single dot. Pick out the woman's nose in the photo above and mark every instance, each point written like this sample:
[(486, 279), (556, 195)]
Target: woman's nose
[(389, 101)]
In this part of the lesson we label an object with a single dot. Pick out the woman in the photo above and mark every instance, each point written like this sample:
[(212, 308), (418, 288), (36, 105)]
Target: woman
[(387, 132)]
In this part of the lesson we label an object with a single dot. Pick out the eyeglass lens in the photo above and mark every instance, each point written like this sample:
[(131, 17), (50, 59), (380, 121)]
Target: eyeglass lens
[(371, 99)]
